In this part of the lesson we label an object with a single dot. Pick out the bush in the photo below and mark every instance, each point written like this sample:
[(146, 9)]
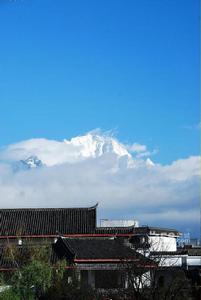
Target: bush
[(32, 280), (9, 294), (70, 291)]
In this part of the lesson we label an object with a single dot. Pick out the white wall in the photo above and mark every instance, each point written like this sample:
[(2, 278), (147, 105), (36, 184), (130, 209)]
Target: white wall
[(170, 261), (194, 261), (162, 243), (176, 260), (118, 223)]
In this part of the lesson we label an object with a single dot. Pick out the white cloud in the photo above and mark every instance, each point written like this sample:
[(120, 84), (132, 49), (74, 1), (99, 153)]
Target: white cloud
[(150, 194), (141, 150), (147, 153), (51, 152), (137, 147), (183, 169)]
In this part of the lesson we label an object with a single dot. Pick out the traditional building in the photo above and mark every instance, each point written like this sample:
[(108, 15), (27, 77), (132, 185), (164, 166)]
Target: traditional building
[(98, 253), (101, 262), (93, 251), (46, 223)]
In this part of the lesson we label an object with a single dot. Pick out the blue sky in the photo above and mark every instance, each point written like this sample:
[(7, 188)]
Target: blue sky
[(67, 67)]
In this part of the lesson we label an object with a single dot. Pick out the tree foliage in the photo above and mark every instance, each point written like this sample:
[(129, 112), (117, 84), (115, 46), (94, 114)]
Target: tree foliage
[(35, 277), (34, 273), (9, 294)]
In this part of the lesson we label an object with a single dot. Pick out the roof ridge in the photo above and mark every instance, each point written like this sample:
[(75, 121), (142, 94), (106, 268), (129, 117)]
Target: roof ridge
[(48, 208)]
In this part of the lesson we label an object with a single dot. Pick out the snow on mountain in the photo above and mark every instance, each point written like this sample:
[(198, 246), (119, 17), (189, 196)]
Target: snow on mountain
[(92, 145), (37, 152), (149, 162), (33, 162), (27, 164)]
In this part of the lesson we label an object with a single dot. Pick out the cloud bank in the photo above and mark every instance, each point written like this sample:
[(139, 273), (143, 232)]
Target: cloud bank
[(95, 168)]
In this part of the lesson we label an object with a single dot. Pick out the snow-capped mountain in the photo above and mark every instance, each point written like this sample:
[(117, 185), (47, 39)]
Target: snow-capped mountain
[(93, 145), (38, 152), (33, 162), (27, 164)]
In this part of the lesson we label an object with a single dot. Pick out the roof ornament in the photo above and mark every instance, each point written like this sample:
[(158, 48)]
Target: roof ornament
[(94, 206)]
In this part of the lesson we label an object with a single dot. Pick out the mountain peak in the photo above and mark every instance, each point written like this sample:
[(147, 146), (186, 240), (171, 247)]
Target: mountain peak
[(35, 153), (94, 145), (33, 162), (30, 163)]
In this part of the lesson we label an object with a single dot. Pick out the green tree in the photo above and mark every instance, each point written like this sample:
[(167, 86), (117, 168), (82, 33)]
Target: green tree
[(9, 294), (33, 280), (34, 272)]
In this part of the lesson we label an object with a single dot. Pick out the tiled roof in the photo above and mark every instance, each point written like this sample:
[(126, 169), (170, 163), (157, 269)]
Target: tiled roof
[(155, 230), (115, 230), (38, 222), (194, 251), (135, 230), (78, 250), (94, 248), (47, 221)]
